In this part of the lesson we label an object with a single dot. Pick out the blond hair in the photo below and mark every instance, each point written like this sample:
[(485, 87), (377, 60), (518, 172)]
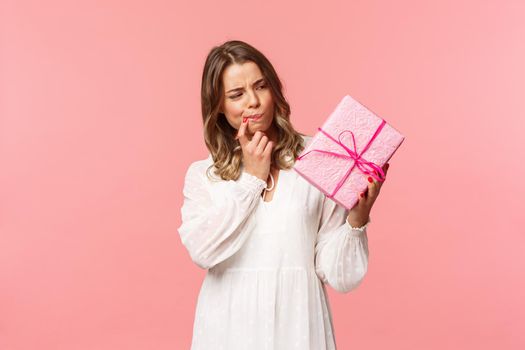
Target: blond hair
[(219, 135)]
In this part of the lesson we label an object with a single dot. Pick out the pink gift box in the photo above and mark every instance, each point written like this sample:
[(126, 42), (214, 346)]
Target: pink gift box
[(351, 144)]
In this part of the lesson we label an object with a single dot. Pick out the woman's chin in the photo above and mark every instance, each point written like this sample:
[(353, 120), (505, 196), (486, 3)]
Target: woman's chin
[(257, 127)]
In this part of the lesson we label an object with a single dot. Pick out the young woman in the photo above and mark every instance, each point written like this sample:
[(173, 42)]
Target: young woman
[(269, 240)]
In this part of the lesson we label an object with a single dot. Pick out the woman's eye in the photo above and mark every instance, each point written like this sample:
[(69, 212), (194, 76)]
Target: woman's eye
[(238, 95)]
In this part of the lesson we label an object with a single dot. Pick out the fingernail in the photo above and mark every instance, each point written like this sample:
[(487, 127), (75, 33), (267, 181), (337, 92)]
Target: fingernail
[(362, 194), (244, 120), (370, 179)]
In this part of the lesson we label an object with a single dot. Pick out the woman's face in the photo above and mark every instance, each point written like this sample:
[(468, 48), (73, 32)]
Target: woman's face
[(247, 94)]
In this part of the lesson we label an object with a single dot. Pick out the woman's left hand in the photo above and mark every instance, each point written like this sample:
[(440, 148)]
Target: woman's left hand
[(360, 212)]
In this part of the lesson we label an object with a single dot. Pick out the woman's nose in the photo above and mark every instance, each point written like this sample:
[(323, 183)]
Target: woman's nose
[(253, 99)]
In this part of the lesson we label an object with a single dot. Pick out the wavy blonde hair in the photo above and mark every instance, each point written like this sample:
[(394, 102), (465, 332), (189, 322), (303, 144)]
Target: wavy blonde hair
[(219, 135)]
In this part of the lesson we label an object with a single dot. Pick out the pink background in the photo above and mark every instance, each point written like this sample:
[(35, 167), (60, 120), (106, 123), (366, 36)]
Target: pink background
[(100, 117)]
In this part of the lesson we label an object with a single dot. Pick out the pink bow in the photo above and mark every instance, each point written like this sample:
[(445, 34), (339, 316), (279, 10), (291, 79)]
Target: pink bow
[(360, 162)]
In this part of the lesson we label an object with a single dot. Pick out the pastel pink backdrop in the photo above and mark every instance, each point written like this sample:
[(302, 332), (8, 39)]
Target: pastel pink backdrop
[(100, 117)]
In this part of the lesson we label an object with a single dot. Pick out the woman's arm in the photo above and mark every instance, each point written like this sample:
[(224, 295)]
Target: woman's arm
[(341, 252), (215, 227)]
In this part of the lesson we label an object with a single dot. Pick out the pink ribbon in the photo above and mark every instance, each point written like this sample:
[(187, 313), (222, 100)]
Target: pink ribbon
[(360, 162)]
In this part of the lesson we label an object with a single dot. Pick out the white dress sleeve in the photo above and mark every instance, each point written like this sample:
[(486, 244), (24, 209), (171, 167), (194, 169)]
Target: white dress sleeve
[(214, 227), (341, 251)]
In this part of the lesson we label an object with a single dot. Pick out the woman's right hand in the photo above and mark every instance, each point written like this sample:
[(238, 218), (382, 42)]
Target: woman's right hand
[(256, 152)]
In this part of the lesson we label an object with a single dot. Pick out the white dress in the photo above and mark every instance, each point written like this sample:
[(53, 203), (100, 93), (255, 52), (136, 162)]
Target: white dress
[(267, 262)]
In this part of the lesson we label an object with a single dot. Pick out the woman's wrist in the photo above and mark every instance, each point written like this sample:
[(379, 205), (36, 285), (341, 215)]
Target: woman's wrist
[(357, 223)]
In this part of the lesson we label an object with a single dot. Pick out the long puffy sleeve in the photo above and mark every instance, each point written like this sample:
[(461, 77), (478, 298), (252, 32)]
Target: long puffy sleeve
[(341, 251), (216, 224)]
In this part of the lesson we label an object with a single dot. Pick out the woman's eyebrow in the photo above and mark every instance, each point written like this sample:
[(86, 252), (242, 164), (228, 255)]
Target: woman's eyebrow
[(240, 88)]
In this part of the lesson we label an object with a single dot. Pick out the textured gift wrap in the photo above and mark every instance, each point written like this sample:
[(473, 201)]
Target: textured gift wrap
[(351, 145)]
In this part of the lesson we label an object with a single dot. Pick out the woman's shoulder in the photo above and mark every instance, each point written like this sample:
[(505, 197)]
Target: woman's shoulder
[(306, 139), (200, 166)]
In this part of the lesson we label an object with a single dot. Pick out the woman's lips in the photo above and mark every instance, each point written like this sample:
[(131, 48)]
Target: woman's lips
[(255, 118)]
